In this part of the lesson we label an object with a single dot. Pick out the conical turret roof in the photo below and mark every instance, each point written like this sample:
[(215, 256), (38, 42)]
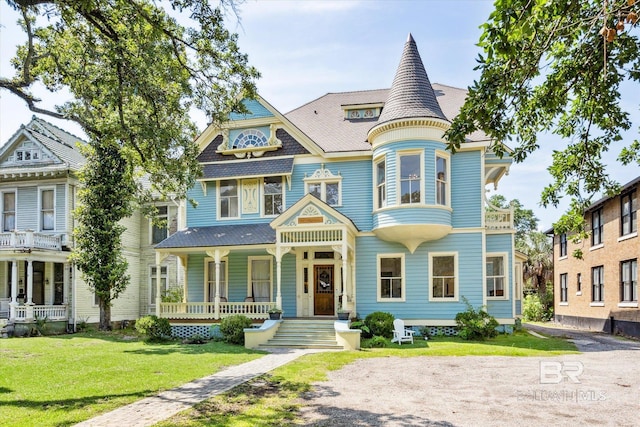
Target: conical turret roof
[(411, 94)]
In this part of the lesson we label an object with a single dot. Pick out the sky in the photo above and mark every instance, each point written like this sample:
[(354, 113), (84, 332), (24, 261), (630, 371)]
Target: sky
[(305, 49)]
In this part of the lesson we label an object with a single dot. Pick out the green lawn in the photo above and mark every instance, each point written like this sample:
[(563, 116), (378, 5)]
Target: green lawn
[(271, 400), (62, 380)]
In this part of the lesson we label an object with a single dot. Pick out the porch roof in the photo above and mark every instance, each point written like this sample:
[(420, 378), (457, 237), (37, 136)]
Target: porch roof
[(258, 167), (220, 235)]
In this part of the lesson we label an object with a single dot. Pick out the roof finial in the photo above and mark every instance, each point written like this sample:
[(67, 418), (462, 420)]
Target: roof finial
[(410, 38)]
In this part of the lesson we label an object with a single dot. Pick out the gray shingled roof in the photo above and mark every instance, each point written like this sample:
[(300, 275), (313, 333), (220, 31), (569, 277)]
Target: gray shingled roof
[(411, 93), (61, 143), (323, 119), (222, 235), (268, 167)]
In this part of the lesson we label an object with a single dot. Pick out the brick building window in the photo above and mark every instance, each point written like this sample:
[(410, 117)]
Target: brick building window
[(597, 284), (563, 287), (629, 281), (628, 214), (563, 244), (596, 227)]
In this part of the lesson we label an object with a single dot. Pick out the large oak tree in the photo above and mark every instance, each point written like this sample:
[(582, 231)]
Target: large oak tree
[(129, 73), (558, 66)]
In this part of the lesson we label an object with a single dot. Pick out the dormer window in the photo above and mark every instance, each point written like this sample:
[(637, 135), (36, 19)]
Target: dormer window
[(325, 186), (27, 152), (249, 142), (362, 111)]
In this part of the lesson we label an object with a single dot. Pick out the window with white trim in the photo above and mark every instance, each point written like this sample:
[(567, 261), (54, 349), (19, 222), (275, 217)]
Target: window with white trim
[(443, 279), (325, 186), (272, 193), (381, 184), (210, 274), (442, 181), (8, 210), (629, 281), (153, 281), (597, 284), (410, 178), (160, 232), (496, 277), (563, 244), (596, 227), (391, 277), (47, 211), (228, 198), (628, 214), (260, 278), (563, 287)]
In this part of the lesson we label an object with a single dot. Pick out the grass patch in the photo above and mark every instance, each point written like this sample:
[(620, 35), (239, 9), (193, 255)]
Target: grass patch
[(62, 380), (272, 399)]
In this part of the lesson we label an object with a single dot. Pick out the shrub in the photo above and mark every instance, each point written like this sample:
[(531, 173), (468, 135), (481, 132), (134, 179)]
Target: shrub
[(377, 342), (359, 324), (538, 308), (380, 323), (154, 328), (476, 324), (232, 328), (174, 294)]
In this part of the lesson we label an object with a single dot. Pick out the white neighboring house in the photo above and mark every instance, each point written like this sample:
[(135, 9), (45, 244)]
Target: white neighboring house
[(38, 182)]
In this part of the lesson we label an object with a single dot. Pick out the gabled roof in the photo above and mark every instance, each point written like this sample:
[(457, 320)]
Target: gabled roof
[(310, 200), (220, 235), (60, 143), (411, 94)]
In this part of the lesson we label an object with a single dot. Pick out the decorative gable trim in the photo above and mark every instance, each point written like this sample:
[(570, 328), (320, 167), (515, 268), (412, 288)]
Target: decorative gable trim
[(310, 211), (250, 142)]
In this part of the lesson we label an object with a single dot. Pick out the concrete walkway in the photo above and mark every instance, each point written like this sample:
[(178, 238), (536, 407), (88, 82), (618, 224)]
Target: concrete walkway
[(151, 410)]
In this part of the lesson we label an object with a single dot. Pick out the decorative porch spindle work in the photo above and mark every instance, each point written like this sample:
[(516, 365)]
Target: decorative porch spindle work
[(206, 310), (311, 236), (29, 239)]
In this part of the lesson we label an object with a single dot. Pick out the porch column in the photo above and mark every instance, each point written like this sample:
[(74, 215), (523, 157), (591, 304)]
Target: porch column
[(352, 293), (217, 256), (14, 289), (183, 263), (279, 253), (159, 258), (29, 282)]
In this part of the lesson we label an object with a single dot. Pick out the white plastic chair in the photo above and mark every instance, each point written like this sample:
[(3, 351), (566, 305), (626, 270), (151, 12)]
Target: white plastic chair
[(400, 333)]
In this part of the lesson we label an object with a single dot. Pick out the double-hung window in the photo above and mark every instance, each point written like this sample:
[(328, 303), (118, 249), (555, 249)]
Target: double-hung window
[(563, 287), (495, 276), (260, 278), (211, 280), (596, 227), (410, 178), (272, 190), (8, 211), (381, 184), (47, 214), (229, 198), (628, 214), (563, 245), (597, 284), (443, 277), (441, 181), (160, 232), (390, 277), (629, 281)]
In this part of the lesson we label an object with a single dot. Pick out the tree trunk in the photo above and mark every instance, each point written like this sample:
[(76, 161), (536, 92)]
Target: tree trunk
[(105, 315)]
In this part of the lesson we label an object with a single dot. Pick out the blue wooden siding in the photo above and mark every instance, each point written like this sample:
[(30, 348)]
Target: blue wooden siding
[(256, 110), (204, 214), (500, 309), (466, 189), (195, 278), (416, 215), (60, 208), (27, 213), (518, 307), (288, 284), (417, 304)]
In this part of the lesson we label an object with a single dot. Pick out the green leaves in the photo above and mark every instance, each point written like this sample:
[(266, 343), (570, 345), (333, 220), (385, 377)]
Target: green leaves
[(546, 68)]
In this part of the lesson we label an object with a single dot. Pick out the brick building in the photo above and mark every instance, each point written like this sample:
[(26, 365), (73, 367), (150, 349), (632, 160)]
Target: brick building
[(600, 291)]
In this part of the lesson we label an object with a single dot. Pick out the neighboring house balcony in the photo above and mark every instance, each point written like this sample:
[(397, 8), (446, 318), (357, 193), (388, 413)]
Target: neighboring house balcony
[(29, 240)]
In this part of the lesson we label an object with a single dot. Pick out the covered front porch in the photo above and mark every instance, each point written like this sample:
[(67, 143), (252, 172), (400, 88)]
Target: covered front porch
[(302, 263)]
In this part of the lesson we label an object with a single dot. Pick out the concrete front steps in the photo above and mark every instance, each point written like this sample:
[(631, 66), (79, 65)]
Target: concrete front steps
[(305, 333)]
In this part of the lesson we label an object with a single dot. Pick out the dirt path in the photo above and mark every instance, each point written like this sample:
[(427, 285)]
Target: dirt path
[(600, 386)]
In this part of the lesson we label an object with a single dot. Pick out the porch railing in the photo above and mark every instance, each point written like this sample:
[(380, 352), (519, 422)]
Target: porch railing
[(31, 240), (49, 312), (206, 310)]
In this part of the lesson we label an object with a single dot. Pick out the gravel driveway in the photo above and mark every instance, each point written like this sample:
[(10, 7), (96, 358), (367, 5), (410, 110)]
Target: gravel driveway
[(600, 386)]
